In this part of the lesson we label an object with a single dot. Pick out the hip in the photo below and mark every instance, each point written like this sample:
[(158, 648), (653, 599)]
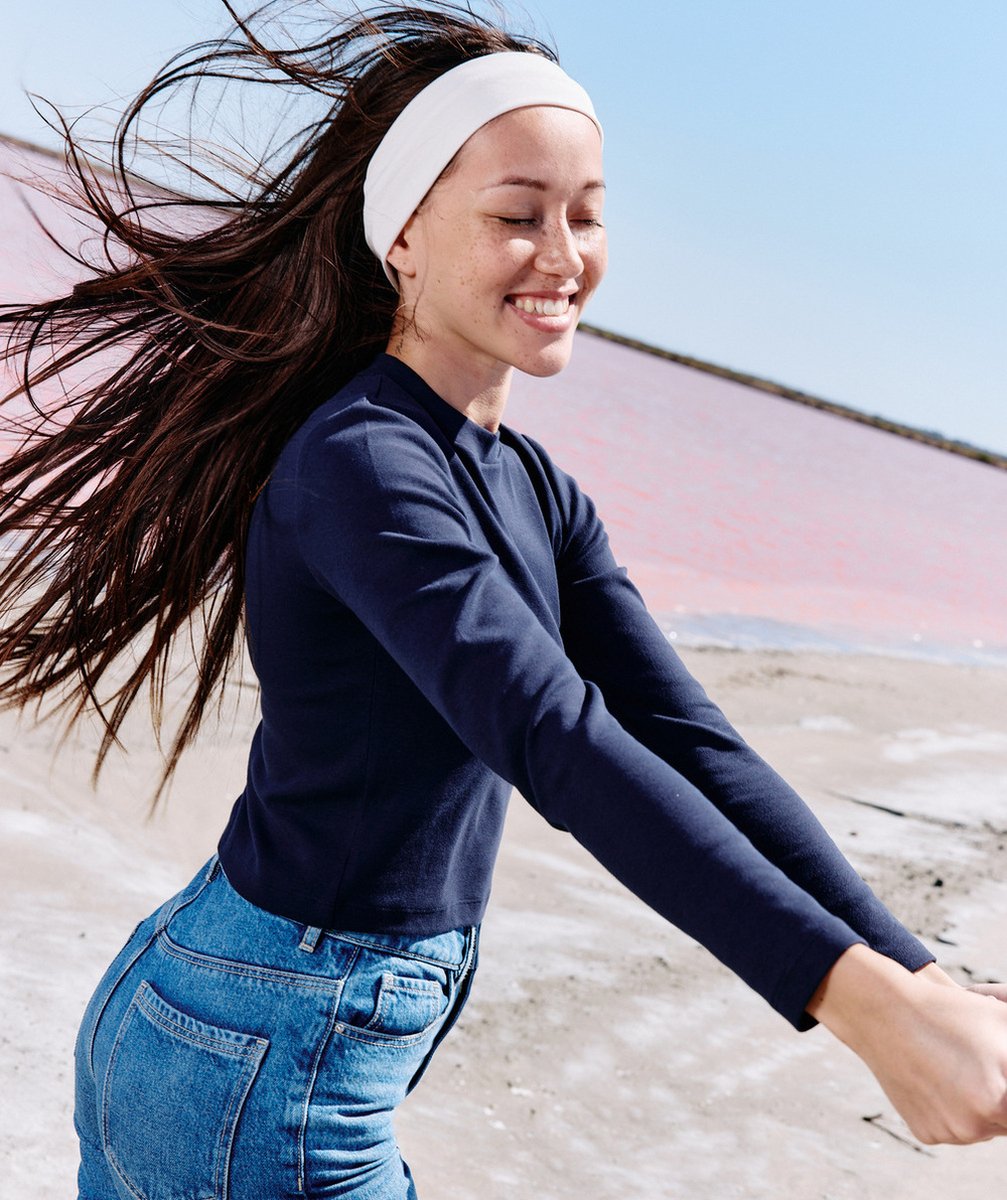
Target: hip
[(245, 1037)]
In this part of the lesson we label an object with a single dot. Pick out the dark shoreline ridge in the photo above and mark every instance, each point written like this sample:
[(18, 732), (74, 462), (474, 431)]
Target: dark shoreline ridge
[(938, 441)]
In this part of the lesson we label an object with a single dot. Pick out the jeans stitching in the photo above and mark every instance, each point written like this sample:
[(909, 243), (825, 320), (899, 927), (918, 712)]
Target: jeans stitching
[(463, 985), (390, 1041), (317, 983), (131, 1013), (323, 1042), (109, 993), (396, 951), (207, 1041), (236, 1102), (390, 982), (174, 906)]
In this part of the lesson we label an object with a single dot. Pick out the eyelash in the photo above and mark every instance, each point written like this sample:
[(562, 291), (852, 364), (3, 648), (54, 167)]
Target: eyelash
[(593, 222)]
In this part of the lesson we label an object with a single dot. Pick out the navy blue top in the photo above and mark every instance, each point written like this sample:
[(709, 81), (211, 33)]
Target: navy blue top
[(434, 615)]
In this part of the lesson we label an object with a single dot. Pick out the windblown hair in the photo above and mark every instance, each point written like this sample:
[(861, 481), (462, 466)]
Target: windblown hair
[(204, 344)]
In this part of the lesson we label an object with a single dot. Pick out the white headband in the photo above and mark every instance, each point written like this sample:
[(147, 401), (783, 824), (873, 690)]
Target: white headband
[(440, 119)]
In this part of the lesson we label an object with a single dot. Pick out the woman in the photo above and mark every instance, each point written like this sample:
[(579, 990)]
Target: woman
[(308, 423)]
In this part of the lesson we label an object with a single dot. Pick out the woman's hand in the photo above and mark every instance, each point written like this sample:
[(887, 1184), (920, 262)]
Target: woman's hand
[(939, 1051), (997, 990), (934, 973)]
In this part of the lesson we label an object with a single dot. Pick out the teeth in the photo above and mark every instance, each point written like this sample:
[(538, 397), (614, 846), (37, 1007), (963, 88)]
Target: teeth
[(544, 308)]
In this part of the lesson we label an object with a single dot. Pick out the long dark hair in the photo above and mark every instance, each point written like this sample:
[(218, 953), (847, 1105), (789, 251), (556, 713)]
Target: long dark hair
[(126, 505)]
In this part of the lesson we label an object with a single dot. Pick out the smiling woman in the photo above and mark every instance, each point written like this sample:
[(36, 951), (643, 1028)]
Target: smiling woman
[(495, 273), (305, 436)]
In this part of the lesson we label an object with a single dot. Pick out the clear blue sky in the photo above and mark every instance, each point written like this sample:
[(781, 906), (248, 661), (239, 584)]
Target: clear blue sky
[(813, 192)]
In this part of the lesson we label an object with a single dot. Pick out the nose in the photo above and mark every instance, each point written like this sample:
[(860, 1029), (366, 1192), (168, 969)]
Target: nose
[(558, 252)]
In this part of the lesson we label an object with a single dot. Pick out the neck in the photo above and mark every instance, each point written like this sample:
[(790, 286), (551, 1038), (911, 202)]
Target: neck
[(477, 389)]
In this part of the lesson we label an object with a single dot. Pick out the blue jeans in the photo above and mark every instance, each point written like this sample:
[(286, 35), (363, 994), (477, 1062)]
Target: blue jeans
[(230, 1054)]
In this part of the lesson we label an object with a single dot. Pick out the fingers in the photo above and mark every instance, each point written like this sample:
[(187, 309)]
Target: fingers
[(938, 1050), (997, 990)]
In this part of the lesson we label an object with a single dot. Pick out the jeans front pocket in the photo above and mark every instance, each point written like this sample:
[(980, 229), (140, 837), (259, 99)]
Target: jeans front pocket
[(389, 999), (173, 1094), (406, 1005)]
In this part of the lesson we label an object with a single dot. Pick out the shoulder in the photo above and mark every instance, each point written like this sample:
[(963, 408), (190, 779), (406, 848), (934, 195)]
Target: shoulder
[(541, 467), (569, 512), (370, 432)]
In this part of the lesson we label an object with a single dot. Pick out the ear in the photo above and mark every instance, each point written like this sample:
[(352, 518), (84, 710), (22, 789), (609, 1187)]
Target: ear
[(402, 255)]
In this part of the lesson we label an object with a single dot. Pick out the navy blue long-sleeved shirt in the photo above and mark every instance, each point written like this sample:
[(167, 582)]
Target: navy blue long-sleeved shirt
[(434, 615)]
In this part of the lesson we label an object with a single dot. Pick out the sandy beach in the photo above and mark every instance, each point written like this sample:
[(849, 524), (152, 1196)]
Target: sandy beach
[(602, 1054)]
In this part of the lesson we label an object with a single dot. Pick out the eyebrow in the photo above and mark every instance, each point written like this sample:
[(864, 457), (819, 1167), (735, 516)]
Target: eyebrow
[(538, 185)]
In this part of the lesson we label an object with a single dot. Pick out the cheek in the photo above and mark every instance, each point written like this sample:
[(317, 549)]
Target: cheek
[(468, 264), (484, 272), (596, 258)]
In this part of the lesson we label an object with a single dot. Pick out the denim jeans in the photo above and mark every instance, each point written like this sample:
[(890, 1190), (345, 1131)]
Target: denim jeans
[(230, 1054)]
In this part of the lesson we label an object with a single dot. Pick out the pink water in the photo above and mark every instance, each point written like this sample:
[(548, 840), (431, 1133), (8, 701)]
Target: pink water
[(739, 515), (728, 502)]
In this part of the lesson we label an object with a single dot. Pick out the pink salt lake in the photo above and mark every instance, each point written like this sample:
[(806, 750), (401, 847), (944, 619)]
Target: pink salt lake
[(755, 520)]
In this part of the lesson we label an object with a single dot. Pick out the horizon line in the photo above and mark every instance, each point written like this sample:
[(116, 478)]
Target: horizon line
[(938, 441)]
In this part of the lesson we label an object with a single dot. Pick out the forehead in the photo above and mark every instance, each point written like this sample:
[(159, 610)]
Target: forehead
[(535, 138)]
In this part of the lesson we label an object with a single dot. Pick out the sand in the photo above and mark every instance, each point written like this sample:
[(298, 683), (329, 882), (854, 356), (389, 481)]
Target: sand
[(602, 1054)]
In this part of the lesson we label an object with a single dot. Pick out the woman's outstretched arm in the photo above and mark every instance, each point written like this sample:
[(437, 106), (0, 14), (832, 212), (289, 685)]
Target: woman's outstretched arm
[(939, 1051), (613, 641)]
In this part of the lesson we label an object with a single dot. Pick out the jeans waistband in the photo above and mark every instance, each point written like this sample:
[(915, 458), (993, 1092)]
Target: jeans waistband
[(458, 955)]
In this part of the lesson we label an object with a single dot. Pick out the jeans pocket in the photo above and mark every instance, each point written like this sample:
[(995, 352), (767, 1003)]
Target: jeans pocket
[(393, 999), (406, 1005), (177, 1084)]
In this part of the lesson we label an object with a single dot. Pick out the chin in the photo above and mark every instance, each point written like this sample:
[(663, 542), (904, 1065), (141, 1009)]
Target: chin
[(547, 362)]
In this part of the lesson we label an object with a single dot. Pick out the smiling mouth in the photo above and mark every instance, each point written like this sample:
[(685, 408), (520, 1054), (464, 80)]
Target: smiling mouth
[(540, 307)]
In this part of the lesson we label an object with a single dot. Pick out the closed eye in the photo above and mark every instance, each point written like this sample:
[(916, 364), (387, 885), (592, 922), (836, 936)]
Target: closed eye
[(591, 222)]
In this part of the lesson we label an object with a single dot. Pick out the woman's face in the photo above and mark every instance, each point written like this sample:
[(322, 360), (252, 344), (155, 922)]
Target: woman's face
[(497, 264)]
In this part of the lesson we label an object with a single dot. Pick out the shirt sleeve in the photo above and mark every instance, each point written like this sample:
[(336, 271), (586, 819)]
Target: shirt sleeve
[(613, 641), (380, 527)]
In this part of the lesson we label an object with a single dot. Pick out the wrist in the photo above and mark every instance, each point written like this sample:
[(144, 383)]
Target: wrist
[(934, 974), (862, 992)]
